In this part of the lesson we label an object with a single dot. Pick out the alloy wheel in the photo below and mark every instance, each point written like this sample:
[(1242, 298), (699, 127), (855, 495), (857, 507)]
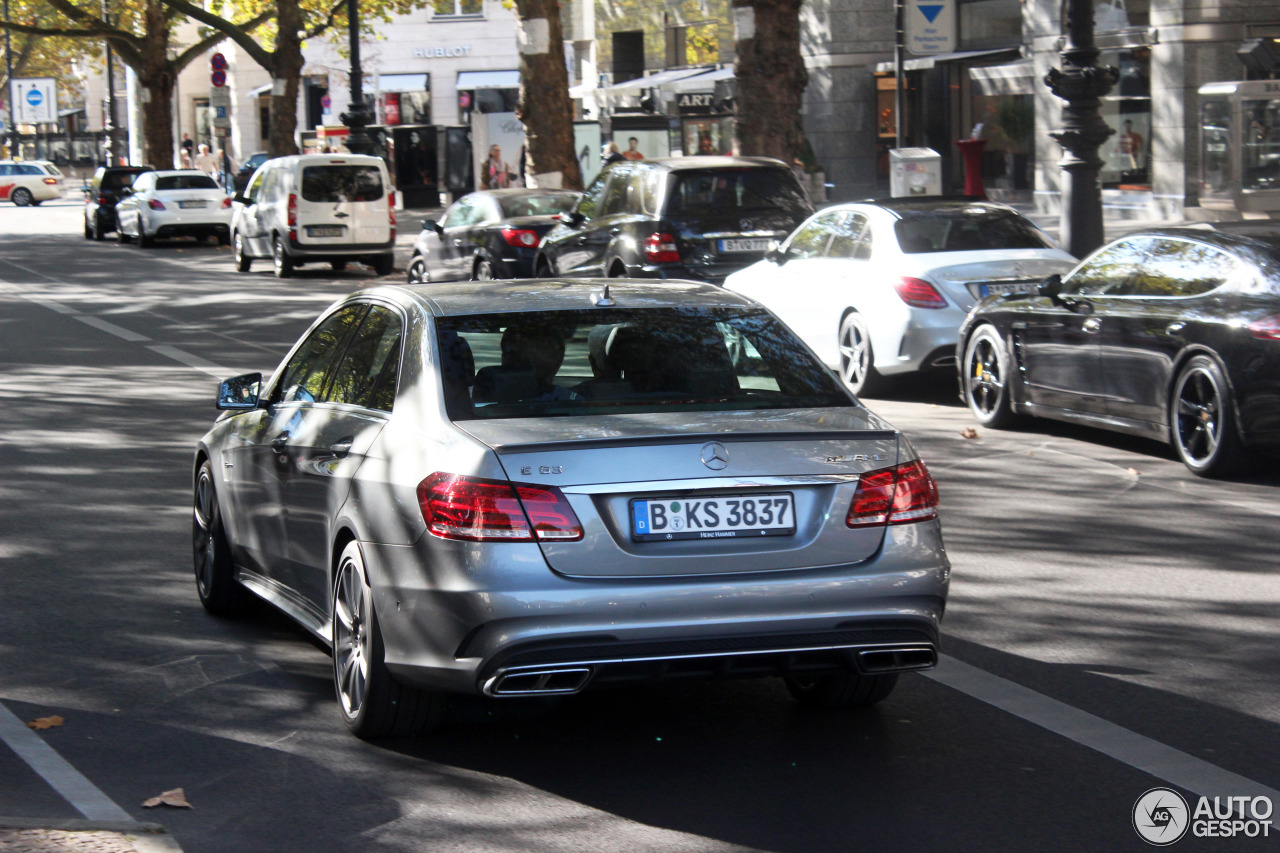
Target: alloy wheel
[(351, 637), (205, 538), (1198, 414), (985, 378), (855, 353)]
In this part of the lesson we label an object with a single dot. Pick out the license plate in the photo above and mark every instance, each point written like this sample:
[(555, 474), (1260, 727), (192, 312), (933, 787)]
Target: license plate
[(1017, 287), (713, 517), (188, 205), (744, 244), (325, 230)]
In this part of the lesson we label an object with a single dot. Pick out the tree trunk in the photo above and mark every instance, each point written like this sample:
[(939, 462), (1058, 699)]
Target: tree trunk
[(286, 69), (544, 106), (771, 78), (156, 77)]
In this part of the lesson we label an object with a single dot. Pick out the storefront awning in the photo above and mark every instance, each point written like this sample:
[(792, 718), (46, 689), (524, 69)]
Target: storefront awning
[(653, 81), (924, 63), (1016, 78), (472, 80), (702, 82)]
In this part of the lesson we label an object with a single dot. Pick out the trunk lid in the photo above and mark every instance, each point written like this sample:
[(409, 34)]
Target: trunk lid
[(807, 459), (968, 277)]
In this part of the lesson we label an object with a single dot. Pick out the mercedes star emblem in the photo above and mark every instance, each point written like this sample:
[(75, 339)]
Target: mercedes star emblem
[(714, 456), (746, 224)]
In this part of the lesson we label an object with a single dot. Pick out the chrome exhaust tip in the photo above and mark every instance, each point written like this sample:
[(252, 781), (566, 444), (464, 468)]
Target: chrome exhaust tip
[(874, 661), (538, 682)]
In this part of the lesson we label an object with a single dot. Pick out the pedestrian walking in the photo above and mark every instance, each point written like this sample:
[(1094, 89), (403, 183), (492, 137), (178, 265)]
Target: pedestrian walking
[(206, 161)]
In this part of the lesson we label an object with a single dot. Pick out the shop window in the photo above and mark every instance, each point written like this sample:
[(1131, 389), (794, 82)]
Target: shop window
[(628, 55), (693, 44), (1126, 155), (457, 8), (990, 23)]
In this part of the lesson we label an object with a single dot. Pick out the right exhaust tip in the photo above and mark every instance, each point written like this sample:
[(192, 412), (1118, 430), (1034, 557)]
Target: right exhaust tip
[(874, 661)]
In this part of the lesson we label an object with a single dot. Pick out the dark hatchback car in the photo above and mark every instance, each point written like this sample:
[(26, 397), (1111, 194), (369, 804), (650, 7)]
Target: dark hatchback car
[(687, 217), (487, 235), (242, 175), (1173, 334), (104, 191)]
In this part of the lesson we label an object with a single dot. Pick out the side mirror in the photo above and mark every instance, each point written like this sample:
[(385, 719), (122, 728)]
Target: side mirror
[(239, 393), (774, 253), (124, 191), (1051, 287), (241, 198), (573, 219), (433, 225)]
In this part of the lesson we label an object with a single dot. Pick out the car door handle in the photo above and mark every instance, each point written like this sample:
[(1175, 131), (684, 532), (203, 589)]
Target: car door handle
[(616, 230), (341, 448), (280, 441), (1174, 328), (1093, 325)]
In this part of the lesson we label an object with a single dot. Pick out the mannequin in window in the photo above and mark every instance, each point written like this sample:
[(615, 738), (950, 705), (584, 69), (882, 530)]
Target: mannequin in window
[(1132, 145)]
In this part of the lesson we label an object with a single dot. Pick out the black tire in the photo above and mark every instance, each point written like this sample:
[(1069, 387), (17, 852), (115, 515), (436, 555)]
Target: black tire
[(122, 237), (22, 197), (1202, 419), (337, 266), (857, 361), (145, 241), (88, 230), (242, 259), (280, 258), (417, 271), (372, 703), (483, 270), (542, 268), (841, 690), (384, 264), (618, 270), (985, 374), (220, 593)]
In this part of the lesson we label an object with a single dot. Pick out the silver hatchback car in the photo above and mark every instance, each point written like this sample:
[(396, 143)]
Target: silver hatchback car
[(500, 489)]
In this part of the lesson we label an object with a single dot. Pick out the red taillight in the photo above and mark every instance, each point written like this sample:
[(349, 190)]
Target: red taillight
[(520, 238), (155, 204), (919, 293), (102, 199), (50, 181), (468, 508), (391, 213), (898, 495), (1267, 329), (661, 249), (293, 210), (226, 202)]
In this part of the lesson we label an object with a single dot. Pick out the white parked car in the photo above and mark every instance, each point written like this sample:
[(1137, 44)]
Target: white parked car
[(174, 203), (880, 288), (316, 208), (30, 182)]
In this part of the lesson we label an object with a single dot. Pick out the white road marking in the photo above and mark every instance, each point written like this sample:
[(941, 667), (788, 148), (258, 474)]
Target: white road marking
[(1143, 753), (110, 328), (184, 357), (54, 769)]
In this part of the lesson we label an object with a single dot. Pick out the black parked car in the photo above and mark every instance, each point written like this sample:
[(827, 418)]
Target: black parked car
[(686, 217), (242, 175), (103, 193), (489, 234), (1172, 334)]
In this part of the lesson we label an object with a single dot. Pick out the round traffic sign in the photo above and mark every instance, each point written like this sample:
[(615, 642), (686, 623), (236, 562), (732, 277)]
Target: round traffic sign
[(35, 97), (218, 78), (326, 102), (218, 62)]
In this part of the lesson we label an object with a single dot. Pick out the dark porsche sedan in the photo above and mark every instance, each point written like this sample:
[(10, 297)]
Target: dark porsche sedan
[(487, 235), (1172, 334)]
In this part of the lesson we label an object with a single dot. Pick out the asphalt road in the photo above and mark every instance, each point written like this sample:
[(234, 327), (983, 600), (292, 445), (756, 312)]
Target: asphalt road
[(1112, 628)]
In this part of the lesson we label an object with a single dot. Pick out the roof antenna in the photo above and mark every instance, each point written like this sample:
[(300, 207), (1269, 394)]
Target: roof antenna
[(602, 298)]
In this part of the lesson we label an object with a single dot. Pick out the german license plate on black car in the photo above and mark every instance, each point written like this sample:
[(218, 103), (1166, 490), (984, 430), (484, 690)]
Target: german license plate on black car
[(743, 244), (325, 230), (714, 517)]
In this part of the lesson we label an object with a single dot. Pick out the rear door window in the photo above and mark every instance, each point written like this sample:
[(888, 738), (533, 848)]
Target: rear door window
[(341, 182), (1179, 268)]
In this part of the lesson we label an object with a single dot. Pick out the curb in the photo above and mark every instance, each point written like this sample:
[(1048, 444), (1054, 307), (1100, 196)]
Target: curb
[(35, 835)]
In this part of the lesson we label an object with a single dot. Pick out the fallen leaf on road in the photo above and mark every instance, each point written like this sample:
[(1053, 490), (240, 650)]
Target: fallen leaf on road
[(968, 432), (45, 722), (175, 798)]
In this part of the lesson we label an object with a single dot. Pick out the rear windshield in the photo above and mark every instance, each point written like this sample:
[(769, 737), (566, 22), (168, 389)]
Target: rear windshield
[(536, 205), (733, 191), (117, 180), (341, 183), (969, 230), (625, 361), (186, 182)]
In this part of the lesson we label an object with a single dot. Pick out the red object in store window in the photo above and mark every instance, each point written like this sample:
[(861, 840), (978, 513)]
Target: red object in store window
[(971, 151), (391, 108)]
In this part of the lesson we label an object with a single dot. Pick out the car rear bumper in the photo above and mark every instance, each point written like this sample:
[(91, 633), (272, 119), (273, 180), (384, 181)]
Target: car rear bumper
[(474, 628), (337, 251)]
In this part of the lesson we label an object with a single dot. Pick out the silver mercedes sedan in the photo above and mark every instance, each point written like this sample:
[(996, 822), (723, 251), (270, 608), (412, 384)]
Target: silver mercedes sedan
[(525, 489)]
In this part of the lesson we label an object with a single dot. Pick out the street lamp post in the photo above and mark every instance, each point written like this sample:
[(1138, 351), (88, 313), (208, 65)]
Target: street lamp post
[(1081, 83), (357, 117), (109, 118), (11, 130)]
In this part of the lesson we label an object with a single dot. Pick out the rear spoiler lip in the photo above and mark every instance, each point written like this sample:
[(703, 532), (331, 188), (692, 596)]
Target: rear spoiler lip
[(696, 438)]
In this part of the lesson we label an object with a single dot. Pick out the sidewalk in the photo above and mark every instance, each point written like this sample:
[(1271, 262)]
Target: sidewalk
[(22, 835)]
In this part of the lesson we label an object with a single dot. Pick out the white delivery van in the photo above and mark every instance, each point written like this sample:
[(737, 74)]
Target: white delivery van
[(316, 208)]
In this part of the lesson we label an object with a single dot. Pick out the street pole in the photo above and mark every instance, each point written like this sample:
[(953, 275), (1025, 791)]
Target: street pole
[(11, 130), (356, 118), (1081, 83), (899, 95)]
